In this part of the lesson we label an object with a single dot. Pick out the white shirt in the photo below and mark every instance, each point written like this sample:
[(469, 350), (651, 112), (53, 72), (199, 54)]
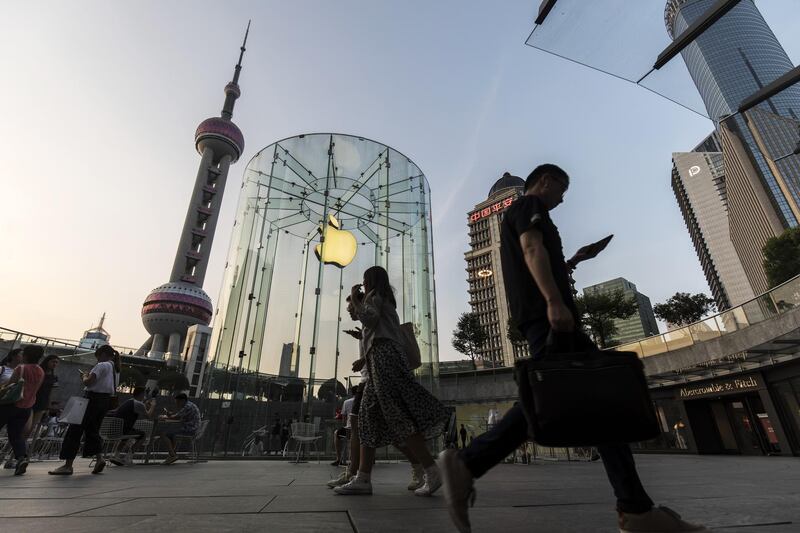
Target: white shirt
[(105, 378), (6, 375), (347, 408)]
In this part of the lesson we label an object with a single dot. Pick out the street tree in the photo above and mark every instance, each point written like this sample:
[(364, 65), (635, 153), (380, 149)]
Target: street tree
[(599, 311), (469, 336), (684, 308), (782, 257)]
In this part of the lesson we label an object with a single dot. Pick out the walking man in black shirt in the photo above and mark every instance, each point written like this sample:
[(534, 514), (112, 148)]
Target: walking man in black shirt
[(540, 300)]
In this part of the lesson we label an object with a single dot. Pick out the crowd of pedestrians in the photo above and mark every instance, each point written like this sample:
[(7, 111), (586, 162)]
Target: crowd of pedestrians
[(388, 406)]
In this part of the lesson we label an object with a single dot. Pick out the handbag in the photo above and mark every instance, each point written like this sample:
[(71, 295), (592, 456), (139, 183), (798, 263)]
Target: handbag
[(410, 345), (74, 411), (580, 396), (13, 393)]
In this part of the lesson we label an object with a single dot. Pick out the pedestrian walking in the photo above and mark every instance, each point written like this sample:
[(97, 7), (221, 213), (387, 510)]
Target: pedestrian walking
[(16, 415), (417, 472), (463, 433), (540, 300), (395, 409), (100, 384), (43, 397), (7, 366)]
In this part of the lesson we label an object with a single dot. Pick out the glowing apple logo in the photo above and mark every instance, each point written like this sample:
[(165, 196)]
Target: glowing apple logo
[(340, 245)]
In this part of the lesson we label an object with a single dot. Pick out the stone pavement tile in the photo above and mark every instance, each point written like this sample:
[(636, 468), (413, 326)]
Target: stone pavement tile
[(169, 506), (739, 510), (298, 499), (245, 523), (70, 524), (52, 506), (50, 492), (559, 519)]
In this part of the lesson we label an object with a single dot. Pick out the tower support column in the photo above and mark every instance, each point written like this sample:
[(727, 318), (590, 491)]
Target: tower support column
[(157, 348)]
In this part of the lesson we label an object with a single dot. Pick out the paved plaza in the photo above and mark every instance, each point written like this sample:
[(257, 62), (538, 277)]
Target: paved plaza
[(731, 494)]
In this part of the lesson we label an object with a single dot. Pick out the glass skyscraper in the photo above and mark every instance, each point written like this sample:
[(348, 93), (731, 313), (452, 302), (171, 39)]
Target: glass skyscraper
[(730, 61)]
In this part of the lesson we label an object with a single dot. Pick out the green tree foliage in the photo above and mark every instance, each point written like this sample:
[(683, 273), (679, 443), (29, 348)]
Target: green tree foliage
[(172, 381), (782, 257), (684, 308), (131, 377), (513, 333), (599, 310), (469, 336)]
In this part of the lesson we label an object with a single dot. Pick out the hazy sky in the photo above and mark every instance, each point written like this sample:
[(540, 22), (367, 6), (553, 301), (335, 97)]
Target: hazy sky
[(101, 101)]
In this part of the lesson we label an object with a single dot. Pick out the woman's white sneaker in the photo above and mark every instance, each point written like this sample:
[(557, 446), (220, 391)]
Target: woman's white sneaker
[(354, 487), (432, 483), (417, 478)]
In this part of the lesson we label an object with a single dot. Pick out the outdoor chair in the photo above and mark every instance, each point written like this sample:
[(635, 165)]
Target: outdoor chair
[(111, 432), (193, 440), (305, 435)]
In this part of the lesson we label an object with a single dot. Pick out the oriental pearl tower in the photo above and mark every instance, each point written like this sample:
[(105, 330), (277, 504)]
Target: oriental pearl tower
[(170, 309)]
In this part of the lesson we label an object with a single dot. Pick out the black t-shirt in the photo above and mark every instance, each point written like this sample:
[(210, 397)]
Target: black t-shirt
[(525, 300)]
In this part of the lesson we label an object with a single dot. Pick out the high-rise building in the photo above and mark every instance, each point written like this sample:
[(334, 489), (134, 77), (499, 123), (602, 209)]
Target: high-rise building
[(734, 58), (485, 277), (698, 180), (170, 309), (641, 324), (285, 368)]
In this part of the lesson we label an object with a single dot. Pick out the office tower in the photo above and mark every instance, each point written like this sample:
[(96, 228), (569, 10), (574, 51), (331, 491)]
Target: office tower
[(731, 60), (698, 180), (641, 324), (485, 275), (170, 309)]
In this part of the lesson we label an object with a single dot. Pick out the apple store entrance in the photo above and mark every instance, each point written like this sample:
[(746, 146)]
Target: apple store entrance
[(315, 211)]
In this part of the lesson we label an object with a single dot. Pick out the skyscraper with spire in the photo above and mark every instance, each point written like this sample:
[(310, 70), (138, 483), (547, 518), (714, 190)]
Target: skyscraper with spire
[(171, 308)]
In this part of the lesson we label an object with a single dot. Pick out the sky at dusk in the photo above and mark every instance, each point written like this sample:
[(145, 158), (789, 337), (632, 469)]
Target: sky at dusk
[(101, 101)]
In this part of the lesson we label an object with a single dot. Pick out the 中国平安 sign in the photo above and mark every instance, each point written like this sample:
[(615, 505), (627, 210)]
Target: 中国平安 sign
[(487, 211)]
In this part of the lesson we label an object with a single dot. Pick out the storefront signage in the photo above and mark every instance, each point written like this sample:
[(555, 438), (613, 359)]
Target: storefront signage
[(720, 387), (487, 211)]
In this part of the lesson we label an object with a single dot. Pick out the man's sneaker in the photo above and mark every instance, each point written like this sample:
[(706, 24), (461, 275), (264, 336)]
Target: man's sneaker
[(458, 489), (117, 461), (354, 487), (99, 466), (433, 480), (417, 478), (11, 464), (22, 466), (657, 520), (63, 470), (169, 460), (343, 479)]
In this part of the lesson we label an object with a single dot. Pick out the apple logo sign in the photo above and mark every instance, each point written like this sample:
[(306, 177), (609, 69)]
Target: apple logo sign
[(339, 246), (694, 171)]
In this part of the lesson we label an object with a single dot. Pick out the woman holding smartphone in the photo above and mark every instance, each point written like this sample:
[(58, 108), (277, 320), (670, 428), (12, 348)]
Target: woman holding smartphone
[(395, 409)]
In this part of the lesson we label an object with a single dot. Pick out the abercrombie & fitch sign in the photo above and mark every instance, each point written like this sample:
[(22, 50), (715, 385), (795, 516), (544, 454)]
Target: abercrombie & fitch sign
[(720, 387)]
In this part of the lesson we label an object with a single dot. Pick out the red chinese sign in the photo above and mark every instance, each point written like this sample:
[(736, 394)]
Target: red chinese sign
[(487, 211)]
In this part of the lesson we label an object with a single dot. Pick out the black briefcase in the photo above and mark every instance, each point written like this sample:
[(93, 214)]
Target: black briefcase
[(580, 396)]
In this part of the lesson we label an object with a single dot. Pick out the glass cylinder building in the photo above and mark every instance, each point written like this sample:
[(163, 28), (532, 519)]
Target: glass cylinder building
[(315, 211)]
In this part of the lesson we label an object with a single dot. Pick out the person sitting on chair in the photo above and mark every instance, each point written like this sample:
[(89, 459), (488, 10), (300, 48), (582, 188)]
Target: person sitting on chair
[(189, 415), (130, 411)]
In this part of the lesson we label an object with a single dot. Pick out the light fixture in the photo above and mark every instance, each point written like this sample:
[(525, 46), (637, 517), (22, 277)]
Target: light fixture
[(484, 273)]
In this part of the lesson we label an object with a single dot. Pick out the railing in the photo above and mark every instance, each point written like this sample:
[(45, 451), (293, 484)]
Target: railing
[(772, 303), (18, 338)]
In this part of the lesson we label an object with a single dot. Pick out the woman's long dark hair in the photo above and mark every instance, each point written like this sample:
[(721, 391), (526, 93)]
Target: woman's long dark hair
[(377, 279), (46, 361)]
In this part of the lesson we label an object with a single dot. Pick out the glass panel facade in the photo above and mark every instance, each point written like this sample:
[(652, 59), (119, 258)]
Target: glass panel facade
[(277, 334)]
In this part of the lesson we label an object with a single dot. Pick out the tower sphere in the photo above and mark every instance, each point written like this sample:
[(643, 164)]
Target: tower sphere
[(222, 136), (175, 306)]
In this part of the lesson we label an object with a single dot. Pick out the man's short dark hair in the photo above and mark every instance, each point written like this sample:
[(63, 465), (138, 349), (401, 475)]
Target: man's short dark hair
[(31, 354), (139, 390), (181, 396), (544, 170)]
